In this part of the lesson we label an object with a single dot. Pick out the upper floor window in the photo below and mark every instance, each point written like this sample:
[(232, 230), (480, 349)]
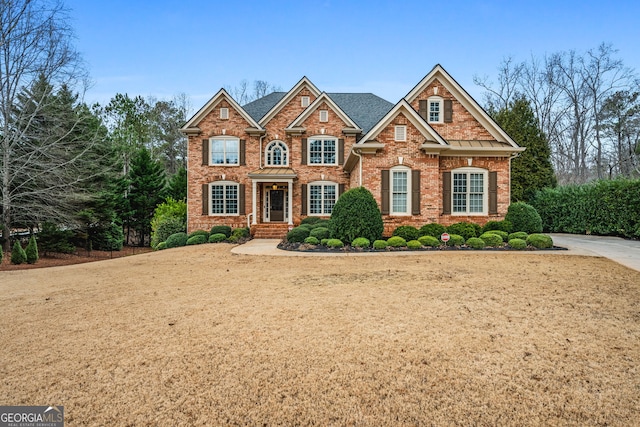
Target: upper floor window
[(304, 101), (434, 105), (323, 151), (324, 115), (400, 133), (469, 193), (224, 150), (322, 197), (277, 154), (224, 113), (224, 198)]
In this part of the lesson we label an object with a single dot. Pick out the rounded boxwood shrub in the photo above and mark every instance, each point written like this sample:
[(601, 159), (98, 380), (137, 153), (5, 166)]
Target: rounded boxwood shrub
[(198, 239), (414, 244), (429, 241), (540, 241), (199, 233), (323, 242), (475, 243), (380, 244), (217, 238), (224, 229), (464, 229), (177, 240), (518, 235), (361, 242), (356, 214), (503, 225), (491, 239), (311, 240), (298, 234), (517, 244), (320, 233), (396, 242), (524, 217), (455, 240), (407, 232), (239, 233), (18, 255), (433, 229), (310, 220), (165, 227), (160, 246), (322, 223), (32, 251), (503, 235), (335, 243)]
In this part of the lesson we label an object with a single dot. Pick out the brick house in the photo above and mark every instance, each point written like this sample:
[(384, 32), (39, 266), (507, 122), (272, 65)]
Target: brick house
[(435, 156)]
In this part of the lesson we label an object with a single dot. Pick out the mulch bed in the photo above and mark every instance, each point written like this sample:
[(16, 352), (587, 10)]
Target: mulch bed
[(305, 247)]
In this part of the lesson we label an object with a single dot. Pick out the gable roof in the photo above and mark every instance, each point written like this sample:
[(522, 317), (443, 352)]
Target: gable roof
[(261, 106), (314, 106), (366, 109), (461, 95), (288, 97), (209, 106)]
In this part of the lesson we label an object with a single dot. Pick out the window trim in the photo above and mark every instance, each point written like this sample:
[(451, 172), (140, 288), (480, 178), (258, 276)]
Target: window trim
[(223, 138), (485, 191), (408, 208), (323, 184), (224, 113), (224, 185), (267, 153), (440, 101), (400, 129), (324, 116), (323, 138), (305, 101)]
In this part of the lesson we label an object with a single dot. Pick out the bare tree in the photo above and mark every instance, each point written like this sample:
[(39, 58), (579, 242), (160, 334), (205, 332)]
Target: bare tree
[(243, 94)]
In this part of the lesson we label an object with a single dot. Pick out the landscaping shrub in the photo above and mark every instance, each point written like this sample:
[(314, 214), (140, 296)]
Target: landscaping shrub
[(18, 256), (517, 244), (455, 240), (177, 240), (224, 229), (320, 233), (312, 240), (396, 242), (407, 232), (475, 243), (361, 242), (160, 246), (322, 223), (311, 220), (239, 233), (335, 243), (204, 233), (491, 239), (503, 225), (298, 234), (429, 241), (433, 229), (414, 244), (518, 235), (540, 241), (503, 234), (165, 228), (524, 217), (169, 217), (308, 227), (356, 214), (380, 244), (1, 254), (217, 238), (198, 239), (323, 242), (32, 251), (465, 229), (52, 239)]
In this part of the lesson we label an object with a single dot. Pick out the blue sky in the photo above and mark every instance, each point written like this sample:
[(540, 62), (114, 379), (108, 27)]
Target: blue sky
[(162, 48)]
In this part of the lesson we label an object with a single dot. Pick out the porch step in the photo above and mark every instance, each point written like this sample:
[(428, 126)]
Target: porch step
[(269, 231)]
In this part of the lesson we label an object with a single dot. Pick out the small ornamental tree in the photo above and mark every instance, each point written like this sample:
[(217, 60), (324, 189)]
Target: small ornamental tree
[(18, 255), (356, 214), (32, 251)]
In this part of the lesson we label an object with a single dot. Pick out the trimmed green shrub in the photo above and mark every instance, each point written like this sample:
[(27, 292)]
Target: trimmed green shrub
[(503, 225), (517, 244), (18, 256), (322, 223), (361, 242), (308, 227), (311, 220), (524, 217), (217, 238), (356, 214), (429, 241), (298, 234), (239, 233), (160, 246), (380, 244), (204, 233), (475, 243), (224, 229), (518, 235), (465, 229), (198, 239), (503, 235), (407, 232), (177, 240), (165, 227), (335, 243), (396, 242), (311, 240), (414, 244), (320, 233), (492, 239), (433, 229), (32, 251), (455, 240), (323, 242), (169, 217), (540, 241)]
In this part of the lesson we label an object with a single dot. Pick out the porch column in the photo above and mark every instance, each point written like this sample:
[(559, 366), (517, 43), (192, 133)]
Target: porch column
[(254, 198), (290, 197)]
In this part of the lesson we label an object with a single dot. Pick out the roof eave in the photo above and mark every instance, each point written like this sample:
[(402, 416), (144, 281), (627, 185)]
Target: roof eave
[(191, 131)]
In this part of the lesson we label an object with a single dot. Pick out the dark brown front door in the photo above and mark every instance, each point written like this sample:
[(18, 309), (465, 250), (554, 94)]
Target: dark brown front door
[(277, 205)]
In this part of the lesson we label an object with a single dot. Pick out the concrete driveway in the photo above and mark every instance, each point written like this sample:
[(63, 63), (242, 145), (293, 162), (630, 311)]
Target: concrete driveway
[(622, 251)]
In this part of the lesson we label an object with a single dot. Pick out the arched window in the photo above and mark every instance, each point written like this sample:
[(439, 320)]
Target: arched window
[(277, 154)]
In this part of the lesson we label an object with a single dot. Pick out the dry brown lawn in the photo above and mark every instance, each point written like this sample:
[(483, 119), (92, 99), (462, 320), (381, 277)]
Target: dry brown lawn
[(200, 336)]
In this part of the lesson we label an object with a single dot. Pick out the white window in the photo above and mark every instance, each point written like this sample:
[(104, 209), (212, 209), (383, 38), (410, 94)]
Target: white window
[(400, 133), (304, 101), (324, 115), (469, 191), (323, 150), (224, 113), (277, 154), (224, 198), (322, 197), (400, 186), (434, 110), (225, 150)]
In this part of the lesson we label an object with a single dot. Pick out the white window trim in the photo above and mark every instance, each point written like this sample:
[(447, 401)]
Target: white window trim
[(400, 133), (324, 116), (408, 172), (440, 101), (305, 101), (225, 138), (485, 191), (225, 184), (323, 138), (224, 113), (323, 184), (266, 153)]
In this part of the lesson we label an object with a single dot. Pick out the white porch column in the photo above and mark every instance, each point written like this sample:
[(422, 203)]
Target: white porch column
[(254, 198), (290, 198)]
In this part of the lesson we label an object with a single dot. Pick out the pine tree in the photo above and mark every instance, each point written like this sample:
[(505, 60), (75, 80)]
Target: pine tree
[(18, 255), (31, 251), (178, 185)]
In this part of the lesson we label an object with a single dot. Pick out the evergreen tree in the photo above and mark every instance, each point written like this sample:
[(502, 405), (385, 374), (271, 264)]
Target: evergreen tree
[(18, 255), (1, 254), (178, 185), (532, 169), (32, 251)]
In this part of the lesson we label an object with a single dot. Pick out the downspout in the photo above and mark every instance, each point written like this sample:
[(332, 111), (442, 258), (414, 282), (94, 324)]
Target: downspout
[(357, 153)]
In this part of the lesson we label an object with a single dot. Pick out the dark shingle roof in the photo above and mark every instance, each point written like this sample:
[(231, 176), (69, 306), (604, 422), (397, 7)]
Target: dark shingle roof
[(258, 108)]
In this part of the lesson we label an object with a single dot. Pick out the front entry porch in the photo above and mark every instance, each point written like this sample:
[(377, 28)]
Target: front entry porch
[(272, 201)]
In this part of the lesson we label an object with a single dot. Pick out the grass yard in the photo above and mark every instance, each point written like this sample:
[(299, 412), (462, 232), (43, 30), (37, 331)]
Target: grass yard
[(199, 336)]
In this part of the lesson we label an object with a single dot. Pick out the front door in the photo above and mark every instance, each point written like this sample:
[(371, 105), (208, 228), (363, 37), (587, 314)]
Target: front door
[(276, 213)]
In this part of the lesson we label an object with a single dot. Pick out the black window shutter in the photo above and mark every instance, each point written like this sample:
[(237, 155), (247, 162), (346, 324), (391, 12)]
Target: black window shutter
[(493, 192), (340, 151), (243, 144), (241, 203), (384, 185), (205, 199), (304, 199), (303, 161), (415, 192), (205, 152), (340, 189), (423, 109), (446, 193), (448, 111)]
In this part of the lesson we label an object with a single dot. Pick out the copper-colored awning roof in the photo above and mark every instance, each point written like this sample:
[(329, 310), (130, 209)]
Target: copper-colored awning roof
[(273, 173)]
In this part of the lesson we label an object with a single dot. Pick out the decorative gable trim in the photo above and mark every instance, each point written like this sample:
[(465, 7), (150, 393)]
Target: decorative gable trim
[(191, 126), (461, 95), (304, 82), (323, 98)]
